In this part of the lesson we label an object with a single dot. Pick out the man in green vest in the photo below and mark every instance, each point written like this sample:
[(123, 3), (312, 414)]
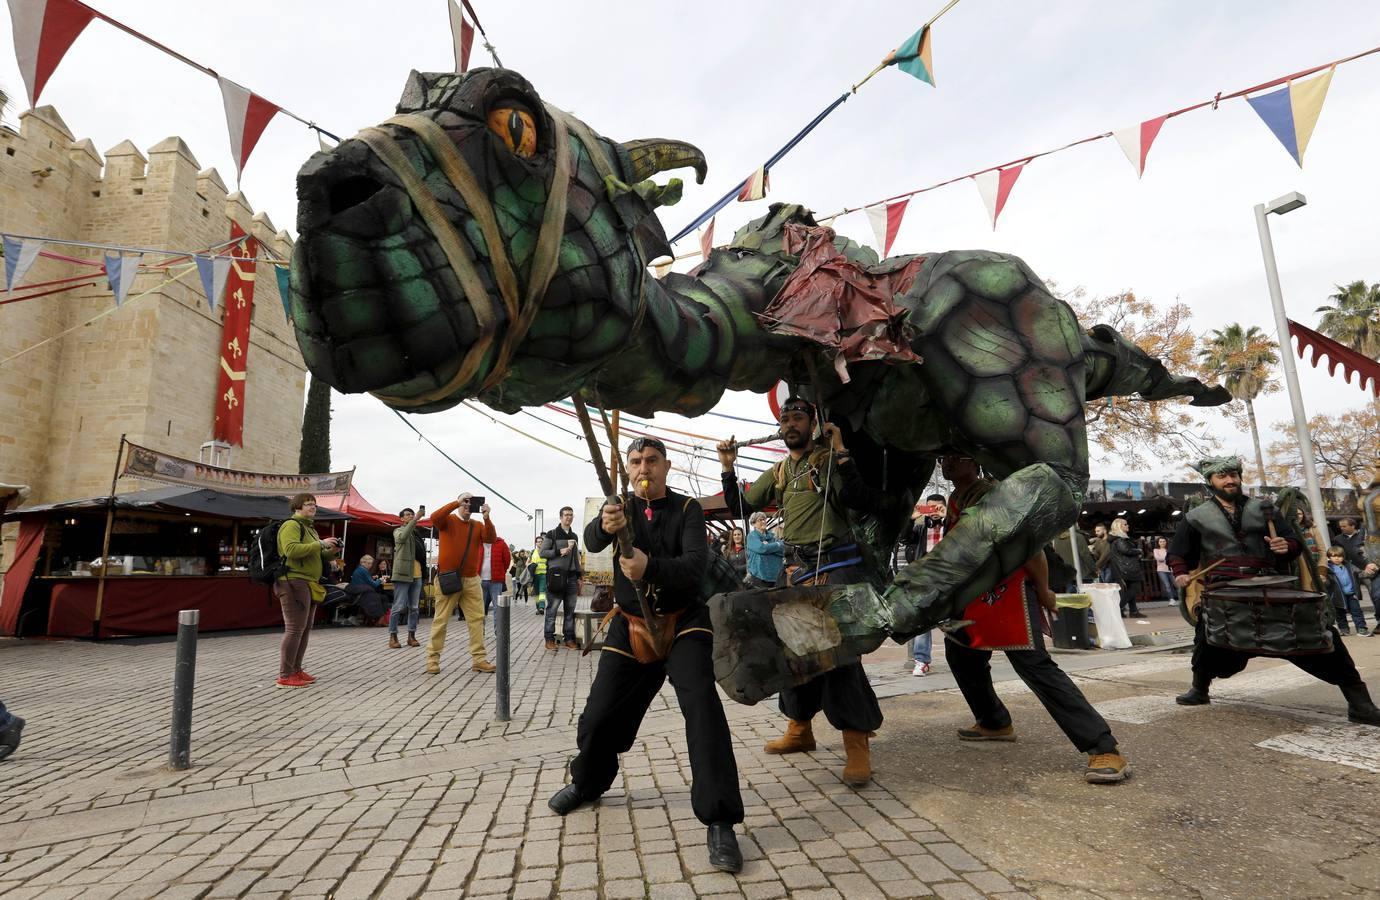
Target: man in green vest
[(812, 486), (1233, 531)]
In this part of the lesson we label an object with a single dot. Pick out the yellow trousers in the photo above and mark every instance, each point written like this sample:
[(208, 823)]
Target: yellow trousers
[(471, 600)]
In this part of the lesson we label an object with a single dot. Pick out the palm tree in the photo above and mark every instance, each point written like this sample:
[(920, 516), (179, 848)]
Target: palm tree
[(1242, 358), (1354, 319)]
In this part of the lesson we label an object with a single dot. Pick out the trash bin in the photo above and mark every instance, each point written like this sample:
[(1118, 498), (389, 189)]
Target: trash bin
[(1071, 622)]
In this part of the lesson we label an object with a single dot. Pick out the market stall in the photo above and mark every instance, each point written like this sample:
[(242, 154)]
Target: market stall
[(165, 549)]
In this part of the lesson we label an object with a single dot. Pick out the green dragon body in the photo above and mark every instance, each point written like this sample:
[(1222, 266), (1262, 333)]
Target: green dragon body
[(541, 290)]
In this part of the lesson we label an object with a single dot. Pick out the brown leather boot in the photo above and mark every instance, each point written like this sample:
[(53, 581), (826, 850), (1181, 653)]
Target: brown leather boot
[(412, 639), (799, 738), (857, 771), (393, 642)]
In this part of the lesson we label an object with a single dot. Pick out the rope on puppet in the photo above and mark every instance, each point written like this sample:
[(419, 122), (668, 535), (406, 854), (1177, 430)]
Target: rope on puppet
[(532, 437), (449, 459)]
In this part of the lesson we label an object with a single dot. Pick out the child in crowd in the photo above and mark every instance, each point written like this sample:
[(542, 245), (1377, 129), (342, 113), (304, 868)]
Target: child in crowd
[(1344, 587)]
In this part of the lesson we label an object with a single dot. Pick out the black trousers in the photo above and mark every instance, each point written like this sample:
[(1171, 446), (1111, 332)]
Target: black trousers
[(1129, 590), (1336, 667), (1062, 699), (844, 693), (623, 688)]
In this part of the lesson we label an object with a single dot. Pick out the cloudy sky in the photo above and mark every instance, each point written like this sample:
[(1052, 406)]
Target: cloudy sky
[(738, 79)]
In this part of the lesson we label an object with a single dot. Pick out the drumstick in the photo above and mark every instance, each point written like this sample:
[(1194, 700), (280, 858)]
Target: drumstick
[(1267, 508), (1194, 576)]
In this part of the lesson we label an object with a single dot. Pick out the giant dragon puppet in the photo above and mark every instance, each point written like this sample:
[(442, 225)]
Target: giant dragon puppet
[(484, 244)]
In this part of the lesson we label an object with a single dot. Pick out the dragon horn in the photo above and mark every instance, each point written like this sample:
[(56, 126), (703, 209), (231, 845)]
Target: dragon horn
[(652, 155)]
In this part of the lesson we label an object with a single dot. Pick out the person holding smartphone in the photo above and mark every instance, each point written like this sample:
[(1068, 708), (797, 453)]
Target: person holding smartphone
[(457, 578), (304, 552)]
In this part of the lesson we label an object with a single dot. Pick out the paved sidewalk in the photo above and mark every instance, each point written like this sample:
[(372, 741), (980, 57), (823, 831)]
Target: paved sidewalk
[(380, 781)]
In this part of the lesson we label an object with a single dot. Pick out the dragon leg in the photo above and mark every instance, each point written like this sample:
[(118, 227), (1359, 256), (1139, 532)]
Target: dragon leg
[(992, 539)]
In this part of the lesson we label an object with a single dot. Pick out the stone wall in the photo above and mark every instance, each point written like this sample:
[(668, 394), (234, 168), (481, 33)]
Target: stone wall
[(147, 370)]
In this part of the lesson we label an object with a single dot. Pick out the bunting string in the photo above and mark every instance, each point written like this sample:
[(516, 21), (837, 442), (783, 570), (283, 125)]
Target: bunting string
[(174, 256), (1023, 160), (1291, 119), (190, 268), (911, 57)]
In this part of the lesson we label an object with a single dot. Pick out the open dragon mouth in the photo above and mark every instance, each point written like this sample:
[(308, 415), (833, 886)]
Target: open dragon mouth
[(369, 284), (428, 244)]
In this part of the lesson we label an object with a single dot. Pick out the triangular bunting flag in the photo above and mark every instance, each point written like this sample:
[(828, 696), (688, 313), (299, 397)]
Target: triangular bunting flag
[(756, 187), (285, 289), (19, 256), (121, 271), (1135, 141), (247, 115), (1291, 112), (707, 240), (876, 217), (213, 271), (43, 32), (914, 56), (1308, 97), (995, 186), (886, 223), (462, 36)]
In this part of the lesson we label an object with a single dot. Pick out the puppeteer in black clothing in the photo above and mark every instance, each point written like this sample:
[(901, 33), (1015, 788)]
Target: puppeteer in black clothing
[(1232, 530), (670, 560)]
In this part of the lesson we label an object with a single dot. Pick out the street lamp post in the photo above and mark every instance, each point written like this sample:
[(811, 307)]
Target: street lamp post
[(1279, 206)]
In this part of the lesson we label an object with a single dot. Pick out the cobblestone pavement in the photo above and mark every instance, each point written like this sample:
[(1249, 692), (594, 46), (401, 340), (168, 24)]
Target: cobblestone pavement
[(380, 781)]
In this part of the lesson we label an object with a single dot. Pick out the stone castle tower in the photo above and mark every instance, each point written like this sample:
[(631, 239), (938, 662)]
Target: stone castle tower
[(147, 370)]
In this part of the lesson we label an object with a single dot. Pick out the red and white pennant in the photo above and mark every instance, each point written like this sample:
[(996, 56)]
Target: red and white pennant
[(886, 223), (43, 32), (247, 115)]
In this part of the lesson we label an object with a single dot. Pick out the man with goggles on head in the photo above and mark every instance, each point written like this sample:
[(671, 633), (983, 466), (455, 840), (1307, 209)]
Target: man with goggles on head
[(812, 487)]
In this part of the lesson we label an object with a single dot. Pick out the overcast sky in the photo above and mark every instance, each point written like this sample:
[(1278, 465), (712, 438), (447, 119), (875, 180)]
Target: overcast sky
[(738, 79)]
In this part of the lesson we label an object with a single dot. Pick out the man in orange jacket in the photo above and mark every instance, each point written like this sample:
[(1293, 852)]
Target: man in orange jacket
[(458, 562)]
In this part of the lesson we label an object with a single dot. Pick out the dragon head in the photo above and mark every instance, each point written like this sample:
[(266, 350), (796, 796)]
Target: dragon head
[(474, 245)]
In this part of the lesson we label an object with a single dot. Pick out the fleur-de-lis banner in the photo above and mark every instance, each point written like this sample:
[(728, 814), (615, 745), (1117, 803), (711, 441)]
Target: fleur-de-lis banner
[(234, 341)]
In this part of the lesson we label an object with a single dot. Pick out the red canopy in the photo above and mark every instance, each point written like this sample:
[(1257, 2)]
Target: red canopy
[(363, 511)]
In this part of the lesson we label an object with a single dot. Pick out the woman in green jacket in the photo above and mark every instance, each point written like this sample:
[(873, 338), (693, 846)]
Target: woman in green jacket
[(304, 552)]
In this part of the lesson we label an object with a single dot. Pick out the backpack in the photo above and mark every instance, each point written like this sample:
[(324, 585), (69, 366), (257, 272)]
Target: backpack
[(265, 564)]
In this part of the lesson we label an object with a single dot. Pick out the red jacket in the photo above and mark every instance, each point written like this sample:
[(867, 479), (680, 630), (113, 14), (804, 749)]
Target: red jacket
[(502, 559)]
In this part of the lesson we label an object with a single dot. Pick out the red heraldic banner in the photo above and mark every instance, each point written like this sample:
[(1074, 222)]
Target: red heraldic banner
[(234, 341)]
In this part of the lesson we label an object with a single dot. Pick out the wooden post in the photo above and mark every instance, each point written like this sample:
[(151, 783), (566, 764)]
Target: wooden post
[(105, 544)]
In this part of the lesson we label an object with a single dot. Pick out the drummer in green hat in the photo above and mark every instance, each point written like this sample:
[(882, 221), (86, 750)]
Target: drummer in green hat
[(1243, 537)]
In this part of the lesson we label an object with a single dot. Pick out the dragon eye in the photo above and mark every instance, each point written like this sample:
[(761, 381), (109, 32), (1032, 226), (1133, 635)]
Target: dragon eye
[(516, 128)]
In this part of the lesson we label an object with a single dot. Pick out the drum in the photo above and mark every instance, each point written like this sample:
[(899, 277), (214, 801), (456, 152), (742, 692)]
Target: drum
[(1267, 615)]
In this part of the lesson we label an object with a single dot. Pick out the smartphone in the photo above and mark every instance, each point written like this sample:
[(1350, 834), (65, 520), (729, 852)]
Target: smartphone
[(476, 503)]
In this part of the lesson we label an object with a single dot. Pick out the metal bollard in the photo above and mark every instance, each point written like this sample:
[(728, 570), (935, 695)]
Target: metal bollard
[(502, 613), (184, 682)]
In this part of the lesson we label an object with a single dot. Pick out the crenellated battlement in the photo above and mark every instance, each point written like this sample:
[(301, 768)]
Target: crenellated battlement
[(148, 369)]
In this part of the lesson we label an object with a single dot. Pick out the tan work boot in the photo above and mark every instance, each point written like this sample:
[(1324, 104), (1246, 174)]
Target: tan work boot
[(976, 732), (857, 771), (433, 667), (1105, 768), (483, 665), (799, 738), (393, 642), (412, 640)]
